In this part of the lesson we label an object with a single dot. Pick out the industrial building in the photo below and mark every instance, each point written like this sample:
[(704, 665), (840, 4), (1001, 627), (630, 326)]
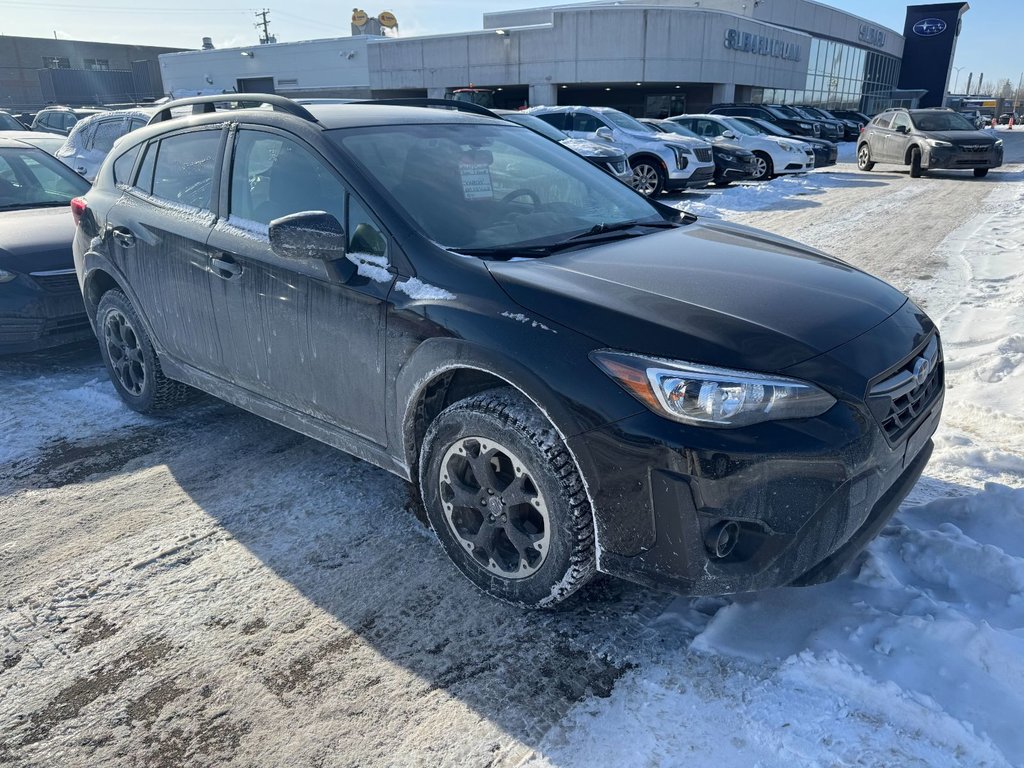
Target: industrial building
[(36, 71), (647, 57)]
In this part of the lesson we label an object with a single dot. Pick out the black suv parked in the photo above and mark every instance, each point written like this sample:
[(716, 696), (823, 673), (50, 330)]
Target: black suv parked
[(483, 312), (789, 123), (927, 139)]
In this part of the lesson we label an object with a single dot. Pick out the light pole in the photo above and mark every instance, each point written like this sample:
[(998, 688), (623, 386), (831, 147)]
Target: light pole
[(956, 82)]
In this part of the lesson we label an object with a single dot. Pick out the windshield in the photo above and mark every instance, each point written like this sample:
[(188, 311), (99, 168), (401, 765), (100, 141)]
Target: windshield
[(624, 121), (682, 130), (538, 125), (778, 112), (10, 123), (481, 186), (940, 121), (763, 126), (30, 178), (738, 126)]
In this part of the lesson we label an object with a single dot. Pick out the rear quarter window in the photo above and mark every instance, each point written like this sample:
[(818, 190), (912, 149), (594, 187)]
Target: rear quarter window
[(124, 164)]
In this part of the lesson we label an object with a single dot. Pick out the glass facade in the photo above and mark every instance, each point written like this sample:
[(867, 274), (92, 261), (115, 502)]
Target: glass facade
[(840, 76)]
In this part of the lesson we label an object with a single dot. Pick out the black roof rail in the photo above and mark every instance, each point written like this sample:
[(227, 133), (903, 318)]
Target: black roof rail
[(208, 104), (458, 106)]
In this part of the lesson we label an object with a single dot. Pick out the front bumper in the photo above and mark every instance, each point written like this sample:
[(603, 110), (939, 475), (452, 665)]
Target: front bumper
[(806, 495), (700, 177), (32, 317), (951, 158), (824, 157), (734, 168)]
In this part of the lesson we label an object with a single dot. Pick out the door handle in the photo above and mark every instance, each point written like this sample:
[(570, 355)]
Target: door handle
[(123, 237), (225, 266)]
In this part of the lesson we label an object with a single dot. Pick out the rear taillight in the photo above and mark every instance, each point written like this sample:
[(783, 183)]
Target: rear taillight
[(78, 207)]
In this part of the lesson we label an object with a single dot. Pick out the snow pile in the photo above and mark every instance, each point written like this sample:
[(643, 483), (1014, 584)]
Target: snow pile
[(776, 194)]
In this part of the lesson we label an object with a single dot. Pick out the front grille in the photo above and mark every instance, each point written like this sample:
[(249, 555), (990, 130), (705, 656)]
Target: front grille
[(900, 400), (704, 154), (56, 282), (617, 166), (975, 147)]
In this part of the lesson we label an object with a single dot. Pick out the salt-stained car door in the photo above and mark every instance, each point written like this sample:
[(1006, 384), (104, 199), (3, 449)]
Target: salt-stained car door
[(157, 235), (291, 330)]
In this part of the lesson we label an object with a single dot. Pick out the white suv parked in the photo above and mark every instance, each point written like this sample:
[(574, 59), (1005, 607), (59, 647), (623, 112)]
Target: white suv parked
[(775, 155), (659, 161), (94, 136)]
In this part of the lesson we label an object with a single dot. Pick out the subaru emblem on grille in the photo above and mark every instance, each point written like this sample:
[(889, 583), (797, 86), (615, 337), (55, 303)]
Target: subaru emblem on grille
[(921, 369)]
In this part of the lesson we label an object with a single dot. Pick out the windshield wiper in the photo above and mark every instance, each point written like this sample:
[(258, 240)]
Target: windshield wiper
[(617, 230), (600, 229)]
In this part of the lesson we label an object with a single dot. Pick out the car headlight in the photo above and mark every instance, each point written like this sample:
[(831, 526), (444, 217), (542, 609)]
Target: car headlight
[(6, 277), (788, 147), (999, 142), (937, 143), (711, 397), (805, 126), (726, 155)]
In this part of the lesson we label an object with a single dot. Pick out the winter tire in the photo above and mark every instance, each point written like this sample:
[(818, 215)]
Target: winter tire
[(131, 360), (980, 172), (505, 499), (648, 178), (763, 167), (864, 161), (915, 163)]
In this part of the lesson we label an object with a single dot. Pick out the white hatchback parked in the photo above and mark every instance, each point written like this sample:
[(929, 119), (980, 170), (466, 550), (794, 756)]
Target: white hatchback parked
[(94, 136), (775, 155)]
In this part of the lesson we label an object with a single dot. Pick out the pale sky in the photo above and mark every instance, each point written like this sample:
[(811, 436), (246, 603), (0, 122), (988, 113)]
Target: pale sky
[(990, 41)]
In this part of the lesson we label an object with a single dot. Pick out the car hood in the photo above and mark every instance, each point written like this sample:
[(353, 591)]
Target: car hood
[(728, 146), (591, 149), (709, 292), (36, 240), (961, 137), (669, 138)]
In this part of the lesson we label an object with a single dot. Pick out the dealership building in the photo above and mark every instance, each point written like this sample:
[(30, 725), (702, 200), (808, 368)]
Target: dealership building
[(647, 57)]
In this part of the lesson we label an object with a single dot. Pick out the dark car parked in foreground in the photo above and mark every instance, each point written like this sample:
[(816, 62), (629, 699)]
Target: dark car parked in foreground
[(577, 378), (9, 122), (40, 302), (825, 151), (928, 139), (732, 162)]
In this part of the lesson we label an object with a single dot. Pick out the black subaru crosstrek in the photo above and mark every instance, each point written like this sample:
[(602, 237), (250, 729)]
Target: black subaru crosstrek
[(928, 139), (576, 378)]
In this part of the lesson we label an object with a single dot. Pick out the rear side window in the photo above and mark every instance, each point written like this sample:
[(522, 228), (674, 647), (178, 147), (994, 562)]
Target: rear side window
[(124, 164), (107, 132), (184, 168)]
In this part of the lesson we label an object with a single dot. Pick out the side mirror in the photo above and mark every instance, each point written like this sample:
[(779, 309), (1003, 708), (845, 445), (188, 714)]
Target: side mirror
[(603, 133), (308, 235), (728, 135), (902, 129)]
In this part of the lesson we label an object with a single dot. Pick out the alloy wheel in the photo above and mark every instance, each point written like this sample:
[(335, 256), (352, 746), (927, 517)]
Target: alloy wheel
[(124, 352), (863, 156), (494, 507), (645, 179), (760, 167)]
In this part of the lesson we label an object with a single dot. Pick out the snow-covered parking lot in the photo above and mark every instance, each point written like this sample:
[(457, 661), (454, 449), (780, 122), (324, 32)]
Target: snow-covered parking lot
[(209, 588)]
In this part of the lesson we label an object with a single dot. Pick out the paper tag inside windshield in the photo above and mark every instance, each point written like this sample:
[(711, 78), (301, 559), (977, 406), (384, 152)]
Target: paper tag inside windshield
[(476, 182)]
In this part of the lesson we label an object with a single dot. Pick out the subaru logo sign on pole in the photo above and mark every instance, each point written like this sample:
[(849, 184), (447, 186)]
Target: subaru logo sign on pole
[(929, 27)]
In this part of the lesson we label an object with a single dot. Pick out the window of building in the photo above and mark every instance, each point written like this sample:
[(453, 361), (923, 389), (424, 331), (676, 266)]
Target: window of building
[(56, 62), (97, 64)]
